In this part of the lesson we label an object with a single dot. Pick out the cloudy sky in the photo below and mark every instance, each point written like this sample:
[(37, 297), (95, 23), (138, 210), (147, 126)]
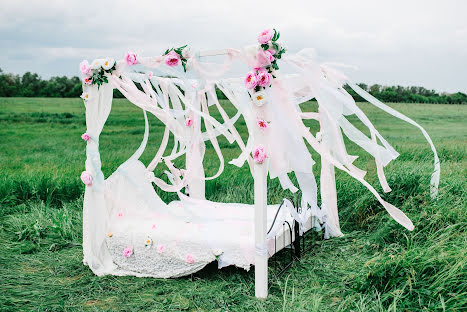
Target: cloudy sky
[(410, 42)]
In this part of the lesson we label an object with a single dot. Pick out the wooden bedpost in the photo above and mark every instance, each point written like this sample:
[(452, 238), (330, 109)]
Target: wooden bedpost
[(261, 250)]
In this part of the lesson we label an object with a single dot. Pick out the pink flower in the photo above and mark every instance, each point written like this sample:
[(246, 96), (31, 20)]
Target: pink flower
[(160, 248), (188, 122), (189, 259), (264, 58), (84, 67), (128, 251), (131, 58), (87, 80), (259, 154), (263, 124), (150, 74), (120, 214), (251, 80), (153, 227), (86, 177), (264, 79), (85, 137), (265, 36), (172, 59)]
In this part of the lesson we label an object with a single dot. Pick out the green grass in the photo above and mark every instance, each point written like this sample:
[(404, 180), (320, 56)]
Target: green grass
[(376, 266)]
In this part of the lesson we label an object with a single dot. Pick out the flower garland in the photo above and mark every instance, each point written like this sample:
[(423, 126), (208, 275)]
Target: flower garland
[(95, 73), (267, 55), (174, 56)]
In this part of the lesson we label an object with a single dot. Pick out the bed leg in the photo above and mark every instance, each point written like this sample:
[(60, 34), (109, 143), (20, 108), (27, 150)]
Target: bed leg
[(261, 248)]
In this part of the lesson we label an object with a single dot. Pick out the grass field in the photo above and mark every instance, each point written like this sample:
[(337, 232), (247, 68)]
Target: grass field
[(376, 266)]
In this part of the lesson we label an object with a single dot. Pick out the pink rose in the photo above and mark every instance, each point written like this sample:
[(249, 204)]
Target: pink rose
[(259, 154), (84, 67), (87, 80), (127, 252), (86, 177), (264, 58), (131, 58), (264, 79), (160, 248), (265, 36), (189, 259), (85, 137), (251, 80), (262, 124), (188, 122), (172, 59)]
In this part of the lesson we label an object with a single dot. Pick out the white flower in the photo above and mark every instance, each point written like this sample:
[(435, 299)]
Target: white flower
[(85, 96), (148, 242), (218, 252), (186, 53), (259, 98), (97, 63), (108, 63)]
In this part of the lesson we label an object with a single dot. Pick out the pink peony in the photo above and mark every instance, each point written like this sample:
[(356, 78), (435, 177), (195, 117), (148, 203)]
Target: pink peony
[(84, 67), (264, 79), (188, 122), (127, 252), (85, 137), (86, 177), (259, 154), (265, 36), (189, 259), (263, 124), (264, 58), (131, 58), (251, 80), (160, 248), (172, 59), (87, 80)]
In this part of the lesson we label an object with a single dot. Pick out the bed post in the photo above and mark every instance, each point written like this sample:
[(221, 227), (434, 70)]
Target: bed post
[(328, 179), (261, 250)]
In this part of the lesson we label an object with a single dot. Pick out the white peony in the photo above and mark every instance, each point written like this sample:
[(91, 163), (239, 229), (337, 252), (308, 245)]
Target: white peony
[(186, 53), (97, 63), (259, 98), (218, 252), (108, 63)]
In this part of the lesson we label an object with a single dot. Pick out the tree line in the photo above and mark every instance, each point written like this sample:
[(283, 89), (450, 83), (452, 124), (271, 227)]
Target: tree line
[(32, 85)]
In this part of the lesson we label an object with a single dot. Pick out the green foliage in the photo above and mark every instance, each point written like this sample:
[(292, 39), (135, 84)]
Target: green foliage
[(376, 266)]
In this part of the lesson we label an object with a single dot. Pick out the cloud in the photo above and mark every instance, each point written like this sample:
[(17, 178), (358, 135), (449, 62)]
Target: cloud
[(397, 42)]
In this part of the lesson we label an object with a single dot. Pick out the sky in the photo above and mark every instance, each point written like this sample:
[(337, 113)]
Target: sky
[(410, 42)]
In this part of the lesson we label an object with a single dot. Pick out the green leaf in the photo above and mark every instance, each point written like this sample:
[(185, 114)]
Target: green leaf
[(265, 46)]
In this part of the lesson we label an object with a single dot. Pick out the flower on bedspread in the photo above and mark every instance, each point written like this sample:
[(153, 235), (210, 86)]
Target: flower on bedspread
[(148, 242), (160, 249), (189, 259), (86, 177), (128, 252), (259, 154)]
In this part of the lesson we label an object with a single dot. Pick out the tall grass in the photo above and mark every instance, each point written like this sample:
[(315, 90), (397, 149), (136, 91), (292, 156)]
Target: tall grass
[(376, 266)]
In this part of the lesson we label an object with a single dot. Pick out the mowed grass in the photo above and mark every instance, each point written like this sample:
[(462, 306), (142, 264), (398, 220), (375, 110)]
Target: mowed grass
[(376, 266)]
